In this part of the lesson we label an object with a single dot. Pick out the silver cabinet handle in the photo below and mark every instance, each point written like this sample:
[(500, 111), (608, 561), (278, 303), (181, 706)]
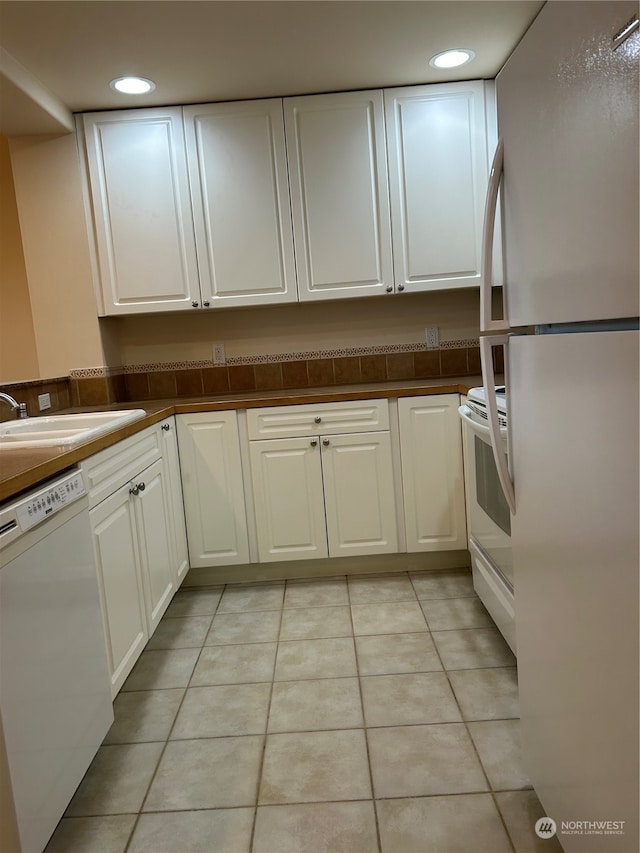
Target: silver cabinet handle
[(314, 443), (317, 419), (206, 304), (389, 288), (134, 490), (401, 287), (325, 442), (166, 427), (141, 486), (195, 304)]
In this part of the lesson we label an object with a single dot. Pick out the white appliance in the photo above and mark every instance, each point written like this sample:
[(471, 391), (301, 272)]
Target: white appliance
[(488, 515), (55, 699), (568, 126)]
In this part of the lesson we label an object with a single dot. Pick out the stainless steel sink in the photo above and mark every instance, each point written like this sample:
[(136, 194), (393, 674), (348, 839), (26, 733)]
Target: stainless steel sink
[(63, 430)]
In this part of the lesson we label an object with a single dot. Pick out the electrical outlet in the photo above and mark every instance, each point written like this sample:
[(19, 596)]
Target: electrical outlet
[(44, 401), (218, 354), (433, 338)]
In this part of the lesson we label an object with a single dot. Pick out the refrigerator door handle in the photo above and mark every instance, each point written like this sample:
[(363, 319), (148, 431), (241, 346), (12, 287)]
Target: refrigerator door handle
[(489, 382), (487, 323)]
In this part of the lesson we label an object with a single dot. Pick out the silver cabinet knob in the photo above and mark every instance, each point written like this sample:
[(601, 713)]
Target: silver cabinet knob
[(389, 289), (317, 419), (141, 487), (314, 443), (195, 304), (206, 304), (401, 287), (325, 442), (166, 427), (134, 490)]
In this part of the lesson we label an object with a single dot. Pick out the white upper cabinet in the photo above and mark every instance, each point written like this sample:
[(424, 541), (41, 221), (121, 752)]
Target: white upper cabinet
[(142, 217), (438, 174), (200, 207), (339, 194), (240, 191)]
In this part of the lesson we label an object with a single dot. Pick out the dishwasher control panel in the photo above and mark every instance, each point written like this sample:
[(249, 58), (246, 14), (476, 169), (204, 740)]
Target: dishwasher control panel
[(28, 511), (49, 500)]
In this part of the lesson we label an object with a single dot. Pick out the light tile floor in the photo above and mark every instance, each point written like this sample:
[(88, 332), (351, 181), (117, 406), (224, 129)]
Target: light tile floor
[(362, 715)]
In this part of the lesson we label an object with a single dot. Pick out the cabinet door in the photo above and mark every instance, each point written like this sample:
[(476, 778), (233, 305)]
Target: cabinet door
[(359, 494), (240, 191), (177, 530), (119, 576), (437, 178), (213, 489), (142, 211), (339, 197), (153, 523), (432, 473), (289, 506)]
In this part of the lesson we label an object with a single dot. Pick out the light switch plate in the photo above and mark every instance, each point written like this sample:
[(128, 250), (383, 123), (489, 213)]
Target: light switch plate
[(44, 401)]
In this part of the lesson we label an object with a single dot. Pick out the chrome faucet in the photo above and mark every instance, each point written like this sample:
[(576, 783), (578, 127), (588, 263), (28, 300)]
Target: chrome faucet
[(20, 408)]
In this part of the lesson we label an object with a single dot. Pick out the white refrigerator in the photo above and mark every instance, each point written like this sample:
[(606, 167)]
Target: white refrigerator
[(568, 126)]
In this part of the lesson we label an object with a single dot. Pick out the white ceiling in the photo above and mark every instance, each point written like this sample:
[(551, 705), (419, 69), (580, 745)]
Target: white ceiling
[(66, 53)]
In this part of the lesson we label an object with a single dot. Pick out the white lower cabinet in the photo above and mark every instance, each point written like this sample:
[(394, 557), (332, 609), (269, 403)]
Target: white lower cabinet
[(288, 498), (320, 495), (153, 525), (359, 494), (213, 488), (134, 533), (115, 542), (179, 550), (432, 473)]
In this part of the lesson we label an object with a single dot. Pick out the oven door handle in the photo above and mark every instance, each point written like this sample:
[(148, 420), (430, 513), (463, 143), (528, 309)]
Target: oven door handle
[(466, 415), (489, 382)]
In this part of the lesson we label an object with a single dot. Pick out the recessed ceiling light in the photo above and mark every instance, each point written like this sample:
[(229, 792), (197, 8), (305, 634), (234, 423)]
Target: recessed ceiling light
[(133, 85), (452, 58)]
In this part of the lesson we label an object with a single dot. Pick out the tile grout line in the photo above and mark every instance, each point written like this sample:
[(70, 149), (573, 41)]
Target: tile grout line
[(332, 729), (266, 727), (364, 721), (473, 743), (167, 739)]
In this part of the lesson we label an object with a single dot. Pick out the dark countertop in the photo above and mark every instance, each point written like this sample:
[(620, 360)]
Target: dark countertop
[(23, 469)]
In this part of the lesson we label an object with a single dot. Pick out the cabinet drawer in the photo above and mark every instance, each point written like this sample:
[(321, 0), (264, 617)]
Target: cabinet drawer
[(111, 468), (318, 419)]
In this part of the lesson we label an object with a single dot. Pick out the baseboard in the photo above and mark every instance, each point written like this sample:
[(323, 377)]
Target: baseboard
[(330, 567)]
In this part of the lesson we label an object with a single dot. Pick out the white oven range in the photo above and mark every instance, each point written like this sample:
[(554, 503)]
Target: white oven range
[(489, 519)]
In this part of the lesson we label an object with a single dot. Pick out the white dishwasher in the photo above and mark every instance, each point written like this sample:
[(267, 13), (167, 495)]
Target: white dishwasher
[(55, 699)]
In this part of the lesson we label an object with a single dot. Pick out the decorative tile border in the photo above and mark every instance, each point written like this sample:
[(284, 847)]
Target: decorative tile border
[(94, 372), (272, 358)]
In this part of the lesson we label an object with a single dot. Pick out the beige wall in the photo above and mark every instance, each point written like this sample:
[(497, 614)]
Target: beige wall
[(46, 173), (18, 356), (295, 328)]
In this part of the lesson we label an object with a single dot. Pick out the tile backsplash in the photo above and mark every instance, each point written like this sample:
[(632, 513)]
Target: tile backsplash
[(59, 391), (102, 387)]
